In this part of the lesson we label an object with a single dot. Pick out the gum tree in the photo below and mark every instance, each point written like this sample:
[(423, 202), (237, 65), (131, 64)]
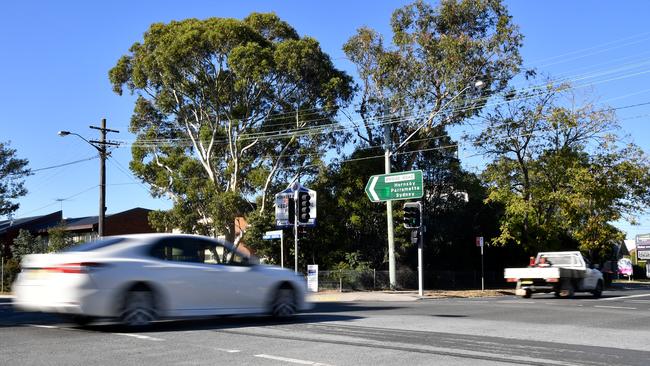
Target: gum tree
[(226, 110)]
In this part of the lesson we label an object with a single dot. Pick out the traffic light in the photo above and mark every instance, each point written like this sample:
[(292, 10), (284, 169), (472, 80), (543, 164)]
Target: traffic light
[(412, 213), (304, 207)]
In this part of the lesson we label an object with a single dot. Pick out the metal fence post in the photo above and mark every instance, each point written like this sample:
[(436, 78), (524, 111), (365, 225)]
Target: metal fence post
[(2, 276)]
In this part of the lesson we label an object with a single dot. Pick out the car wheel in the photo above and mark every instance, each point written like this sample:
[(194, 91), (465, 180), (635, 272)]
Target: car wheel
[(599, 289), (284, 303), (81, 320), (139, 309)]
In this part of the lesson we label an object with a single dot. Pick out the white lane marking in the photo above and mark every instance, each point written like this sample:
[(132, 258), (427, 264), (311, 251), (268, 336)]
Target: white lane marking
[(228, 350), (622, 297), (292, 360), (639, 301), (614, 307), (133, 335), (138, 336), (42, 326)]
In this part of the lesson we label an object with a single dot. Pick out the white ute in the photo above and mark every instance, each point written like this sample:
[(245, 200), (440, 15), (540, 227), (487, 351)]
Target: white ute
[(562, 273)]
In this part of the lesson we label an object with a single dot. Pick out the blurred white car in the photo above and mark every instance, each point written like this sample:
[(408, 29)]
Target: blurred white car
[(140, 278)]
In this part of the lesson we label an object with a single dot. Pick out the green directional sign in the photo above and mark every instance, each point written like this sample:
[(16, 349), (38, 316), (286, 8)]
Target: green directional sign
[(395, 186)]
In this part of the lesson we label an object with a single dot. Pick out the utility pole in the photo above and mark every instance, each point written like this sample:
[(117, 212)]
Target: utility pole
[(389, 212), (101, 147)]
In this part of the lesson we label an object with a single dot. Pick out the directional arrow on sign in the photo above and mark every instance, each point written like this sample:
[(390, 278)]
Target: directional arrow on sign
[(395, 186)]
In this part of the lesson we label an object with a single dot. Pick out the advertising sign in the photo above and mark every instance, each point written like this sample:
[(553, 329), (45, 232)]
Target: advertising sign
[(312, 277), (643, 247), (625, 266)]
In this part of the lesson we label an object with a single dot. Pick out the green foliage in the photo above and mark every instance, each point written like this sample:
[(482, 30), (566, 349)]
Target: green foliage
[(12, 173), (560, 175), (26, 243), (220, 109), (58, 238), (11, 270), (438, 53)]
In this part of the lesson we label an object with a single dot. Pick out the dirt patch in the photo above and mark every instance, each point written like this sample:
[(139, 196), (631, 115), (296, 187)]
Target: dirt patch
[(467, 293)]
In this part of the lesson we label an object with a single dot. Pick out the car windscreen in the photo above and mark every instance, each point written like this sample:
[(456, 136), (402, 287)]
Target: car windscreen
[(94, 245)]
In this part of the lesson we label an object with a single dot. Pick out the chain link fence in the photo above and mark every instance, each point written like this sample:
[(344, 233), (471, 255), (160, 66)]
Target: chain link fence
[(370, 279)]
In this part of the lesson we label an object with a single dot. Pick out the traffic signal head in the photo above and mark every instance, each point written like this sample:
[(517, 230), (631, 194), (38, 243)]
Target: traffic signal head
[(412, 213), (304, 207)]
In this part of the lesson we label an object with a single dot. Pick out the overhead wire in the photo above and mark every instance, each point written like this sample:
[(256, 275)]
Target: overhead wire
[(311, 130)]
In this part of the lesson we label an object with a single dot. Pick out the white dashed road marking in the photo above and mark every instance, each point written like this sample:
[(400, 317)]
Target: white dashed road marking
[(139, 336), (614, 307), (622, 297), (292, 360)]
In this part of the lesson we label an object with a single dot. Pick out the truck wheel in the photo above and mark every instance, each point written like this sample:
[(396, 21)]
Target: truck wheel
[(528, 294), (567, 289), (598, 291)]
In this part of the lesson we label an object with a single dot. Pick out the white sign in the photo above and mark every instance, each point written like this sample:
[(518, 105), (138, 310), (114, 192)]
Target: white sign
[(625, 266), (312, 277), (270, 235)]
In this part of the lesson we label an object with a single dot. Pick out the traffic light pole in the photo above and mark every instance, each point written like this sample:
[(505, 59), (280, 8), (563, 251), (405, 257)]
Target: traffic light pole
[(295, 230)]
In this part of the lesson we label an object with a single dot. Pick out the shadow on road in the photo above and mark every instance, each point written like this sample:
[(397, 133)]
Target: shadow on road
[(322, 312)]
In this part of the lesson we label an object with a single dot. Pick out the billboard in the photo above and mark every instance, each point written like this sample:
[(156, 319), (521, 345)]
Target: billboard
[(643, 247)]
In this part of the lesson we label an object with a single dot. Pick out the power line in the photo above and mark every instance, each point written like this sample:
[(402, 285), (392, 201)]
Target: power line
[(64, 164)]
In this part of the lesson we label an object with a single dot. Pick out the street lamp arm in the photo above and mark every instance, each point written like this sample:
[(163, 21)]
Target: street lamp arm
[(66, 133), (434, 114)]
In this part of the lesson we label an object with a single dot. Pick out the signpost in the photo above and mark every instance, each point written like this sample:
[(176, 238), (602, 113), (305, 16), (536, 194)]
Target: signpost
[(276, 234), (479, 243), (395, 186)]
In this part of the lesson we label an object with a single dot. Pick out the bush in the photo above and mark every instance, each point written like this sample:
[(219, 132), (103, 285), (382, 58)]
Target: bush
[(638, 271), (11, 270)]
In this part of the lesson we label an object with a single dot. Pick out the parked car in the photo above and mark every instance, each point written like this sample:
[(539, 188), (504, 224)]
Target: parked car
[(140, 278)]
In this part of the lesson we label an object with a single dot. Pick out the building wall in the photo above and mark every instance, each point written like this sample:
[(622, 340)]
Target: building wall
[(134, 221)]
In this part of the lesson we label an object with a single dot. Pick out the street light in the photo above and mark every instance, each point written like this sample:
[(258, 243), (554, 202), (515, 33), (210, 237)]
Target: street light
[(101, 147)]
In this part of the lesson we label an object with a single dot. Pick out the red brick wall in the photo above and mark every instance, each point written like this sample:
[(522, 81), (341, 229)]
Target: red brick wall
[(134, 221)]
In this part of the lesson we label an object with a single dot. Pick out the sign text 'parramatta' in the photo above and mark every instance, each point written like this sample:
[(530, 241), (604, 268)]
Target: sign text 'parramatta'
[(395, 186)]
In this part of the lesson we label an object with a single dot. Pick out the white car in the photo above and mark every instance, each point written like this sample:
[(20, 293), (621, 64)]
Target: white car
[(140, 278)]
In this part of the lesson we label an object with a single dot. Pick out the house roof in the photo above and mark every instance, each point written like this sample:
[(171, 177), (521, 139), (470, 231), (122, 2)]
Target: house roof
[(34, 223)]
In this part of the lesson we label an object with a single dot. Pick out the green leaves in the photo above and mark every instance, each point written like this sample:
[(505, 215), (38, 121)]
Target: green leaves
[(12, 172), (213, 95), (560, 174)]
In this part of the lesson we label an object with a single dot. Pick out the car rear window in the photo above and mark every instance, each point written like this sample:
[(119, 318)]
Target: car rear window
[(94, 245)]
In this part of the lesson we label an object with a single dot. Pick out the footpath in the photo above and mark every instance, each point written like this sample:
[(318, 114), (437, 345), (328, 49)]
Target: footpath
[(335, 296)]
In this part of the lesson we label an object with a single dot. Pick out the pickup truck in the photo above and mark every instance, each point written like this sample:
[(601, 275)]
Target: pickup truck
[(562, 273)]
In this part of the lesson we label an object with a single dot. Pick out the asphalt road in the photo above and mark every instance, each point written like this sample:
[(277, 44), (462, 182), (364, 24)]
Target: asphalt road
[(613, 330)]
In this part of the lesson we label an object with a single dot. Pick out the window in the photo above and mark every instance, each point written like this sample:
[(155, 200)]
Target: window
[(196, 250)]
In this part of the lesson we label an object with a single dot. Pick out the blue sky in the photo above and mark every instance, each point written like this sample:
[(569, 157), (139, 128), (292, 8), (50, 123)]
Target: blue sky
[(56, 55)]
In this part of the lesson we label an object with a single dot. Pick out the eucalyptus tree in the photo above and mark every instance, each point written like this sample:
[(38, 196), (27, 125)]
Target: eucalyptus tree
[(13, 170), (425, 78), (227, 109), (561, 172)]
